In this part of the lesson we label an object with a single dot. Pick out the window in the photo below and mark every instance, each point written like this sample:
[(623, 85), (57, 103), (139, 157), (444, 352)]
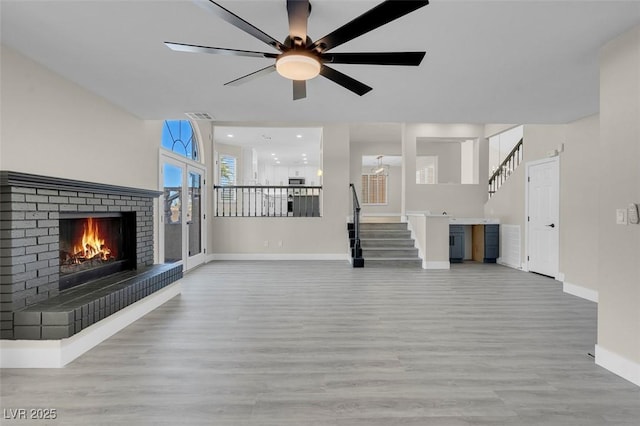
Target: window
[(178, 136), (227, 175), (374, 189), (427, 169), (501, 145)]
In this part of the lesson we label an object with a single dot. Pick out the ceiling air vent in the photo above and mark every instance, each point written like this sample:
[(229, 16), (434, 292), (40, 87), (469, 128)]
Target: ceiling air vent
[(199, 115)]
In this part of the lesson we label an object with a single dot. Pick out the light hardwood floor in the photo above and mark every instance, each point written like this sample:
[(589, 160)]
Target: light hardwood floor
[(320, 343)]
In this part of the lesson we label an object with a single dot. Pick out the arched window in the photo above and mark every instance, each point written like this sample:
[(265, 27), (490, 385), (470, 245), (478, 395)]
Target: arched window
[(178, 136)]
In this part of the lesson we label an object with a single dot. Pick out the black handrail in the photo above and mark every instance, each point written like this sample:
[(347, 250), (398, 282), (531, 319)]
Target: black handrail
[(506, 168), (356, 249)]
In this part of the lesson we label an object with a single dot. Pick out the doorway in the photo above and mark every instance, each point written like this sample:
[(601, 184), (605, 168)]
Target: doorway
[(183, 215), (543, 214)]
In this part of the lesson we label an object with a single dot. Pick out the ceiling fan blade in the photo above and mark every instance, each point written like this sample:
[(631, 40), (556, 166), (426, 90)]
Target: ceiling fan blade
[(182, 47), (373, 58), (252, 76), (240, 23), (380, 15), (299, 89), (344, 80), (298, 11)]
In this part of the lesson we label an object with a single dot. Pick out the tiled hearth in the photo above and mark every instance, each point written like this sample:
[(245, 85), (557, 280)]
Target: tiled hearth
[(31, 208)]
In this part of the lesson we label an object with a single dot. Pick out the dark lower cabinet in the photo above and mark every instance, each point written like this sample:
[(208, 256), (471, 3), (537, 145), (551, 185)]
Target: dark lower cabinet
[(456, 243), (485, 243), (491, 243)]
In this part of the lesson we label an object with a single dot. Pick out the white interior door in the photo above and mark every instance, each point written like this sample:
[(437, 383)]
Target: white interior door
[(543, 216)]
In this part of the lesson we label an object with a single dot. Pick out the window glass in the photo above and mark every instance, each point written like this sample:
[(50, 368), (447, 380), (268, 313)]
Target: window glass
[(228, 176), (178, 136), (427, 169), (227, 170), (501, 145)]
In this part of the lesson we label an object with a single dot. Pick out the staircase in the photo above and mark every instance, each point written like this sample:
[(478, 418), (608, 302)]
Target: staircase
[(388, 244)]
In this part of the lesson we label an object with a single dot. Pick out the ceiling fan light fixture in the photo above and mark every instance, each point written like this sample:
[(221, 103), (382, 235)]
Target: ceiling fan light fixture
[(298, 66)]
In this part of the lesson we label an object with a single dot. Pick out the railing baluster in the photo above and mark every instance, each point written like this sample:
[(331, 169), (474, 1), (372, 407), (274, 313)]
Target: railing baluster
[(306, 204), (217, 200), (505, 169), (269, 201)]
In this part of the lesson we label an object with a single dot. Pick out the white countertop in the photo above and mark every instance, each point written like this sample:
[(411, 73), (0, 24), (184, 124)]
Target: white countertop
[(473, 221), (457, 220)]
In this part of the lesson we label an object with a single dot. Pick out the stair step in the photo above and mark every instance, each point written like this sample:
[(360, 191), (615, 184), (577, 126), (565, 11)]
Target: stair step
[(383, 226), (388, 245), (390, 252), (386, 242), (390, 262), (384, 234)]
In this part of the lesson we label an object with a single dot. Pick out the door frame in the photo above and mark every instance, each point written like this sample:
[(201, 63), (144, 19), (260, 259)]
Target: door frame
[(186, 165), (528, 165), (199, 258)]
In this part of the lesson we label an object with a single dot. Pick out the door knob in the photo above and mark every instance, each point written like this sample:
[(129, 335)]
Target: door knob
[(553, 225)]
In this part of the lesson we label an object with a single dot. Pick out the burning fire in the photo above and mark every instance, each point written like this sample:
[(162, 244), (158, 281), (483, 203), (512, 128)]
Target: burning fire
[(92, 245)]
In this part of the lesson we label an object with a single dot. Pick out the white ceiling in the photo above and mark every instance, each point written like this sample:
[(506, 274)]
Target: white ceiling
[(292, 147), (487, 61)]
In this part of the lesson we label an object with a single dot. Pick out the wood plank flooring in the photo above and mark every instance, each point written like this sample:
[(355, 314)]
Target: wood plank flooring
[(321, 343)]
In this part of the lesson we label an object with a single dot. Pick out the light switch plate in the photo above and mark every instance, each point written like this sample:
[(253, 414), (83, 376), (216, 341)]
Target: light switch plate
[(633, 215), (621, 216)]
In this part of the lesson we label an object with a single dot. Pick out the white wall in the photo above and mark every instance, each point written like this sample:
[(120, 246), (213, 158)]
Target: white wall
[(324, 236), (53, 127), (580, 169), (457, 200), (619, 254), (449, 159), (494, 129)]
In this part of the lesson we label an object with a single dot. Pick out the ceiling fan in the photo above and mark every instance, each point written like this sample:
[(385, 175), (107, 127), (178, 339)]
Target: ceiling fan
[(301, 58)]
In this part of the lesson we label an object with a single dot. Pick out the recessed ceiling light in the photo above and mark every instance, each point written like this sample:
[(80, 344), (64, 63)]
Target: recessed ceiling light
[(273, 154), (304, 155), (229, 135), (277, 162), (275, 158), (298, 136)]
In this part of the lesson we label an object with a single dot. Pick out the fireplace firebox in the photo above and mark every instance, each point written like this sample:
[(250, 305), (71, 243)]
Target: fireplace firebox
[(95, 245)]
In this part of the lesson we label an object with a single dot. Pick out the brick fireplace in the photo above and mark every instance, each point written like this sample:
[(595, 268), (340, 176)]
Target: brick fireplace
[(31, 290)]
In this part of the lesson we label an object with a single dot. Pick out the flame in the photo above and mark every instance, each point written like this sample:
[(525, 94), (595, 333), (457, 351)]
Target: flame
[(92, 245)]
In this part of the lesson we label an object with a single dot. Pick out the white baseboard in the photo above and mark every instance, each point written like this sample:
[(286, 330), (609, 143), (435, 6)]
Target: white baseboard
[(58, 353), (279, 256), (619, 365), (435, 265), (499, 261), (582, 292)]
